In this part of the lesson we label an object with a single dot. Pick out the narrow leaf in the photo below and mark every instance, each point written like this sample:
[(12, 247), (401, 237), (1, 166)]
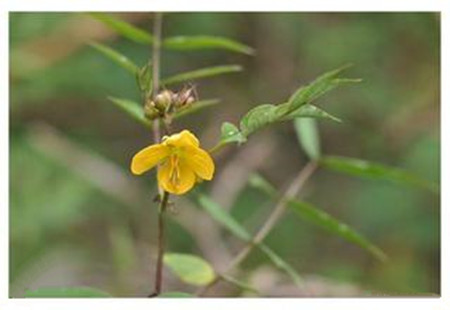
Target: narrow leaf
[(308, 136), (175, 295), (363, 168), (66, 292), (257, 118), (310, 111), (132, 108), (224, 218), (318, 87), (242, 285), (230, 133), (282, 264), (117, 57), (201, 73), (206, 42), (190, 268), (125, 29), (196, 106), (321, 218)]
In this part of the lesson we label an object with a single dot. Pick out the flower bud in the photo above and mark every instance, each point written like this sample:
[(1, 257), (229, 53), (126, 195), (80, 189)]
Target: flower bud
[(163, 100), (150, 111)]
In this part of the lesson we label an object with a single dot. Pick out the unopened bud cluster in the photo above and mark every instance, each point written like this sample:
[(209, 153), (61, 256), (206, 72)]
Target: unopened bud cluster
[(168, 102)]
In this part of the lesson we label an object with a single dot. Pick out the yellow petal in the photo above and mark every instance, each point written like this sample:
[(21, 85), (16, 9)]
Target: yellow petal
[(148, 157), (182, 139), (176, 177), (200, 161)]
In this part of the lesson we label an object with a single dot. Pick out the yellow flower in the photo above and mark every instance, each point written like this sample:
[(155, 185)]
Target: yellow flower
[(182, 162)]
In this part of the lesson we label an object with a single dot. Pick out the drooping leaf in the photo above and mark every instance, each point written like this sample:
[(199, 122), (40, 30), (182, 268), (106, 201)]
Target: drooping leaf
[(308, 136), (196, 106), (175, 295), (318, 87), (123, 28), (242, 285), (200, 74), (205, 42), (367, 169), (233, 226), (321, 218), (221, 216), (324, 220), (117, 57), (132, 108), (66, 292), (190, 268), (257, 118), (230, 133), (282, 264), (310, 111)]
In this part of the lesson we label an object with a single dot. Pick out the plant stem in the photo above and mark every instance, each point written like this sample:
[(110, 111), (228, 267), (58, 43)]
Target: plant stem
[(164, 196), (161, 244), (268, 225)]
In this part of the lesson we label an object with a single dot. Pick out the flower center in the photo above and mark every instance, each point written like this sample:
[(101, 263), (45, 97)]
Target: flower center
[(174, 173)]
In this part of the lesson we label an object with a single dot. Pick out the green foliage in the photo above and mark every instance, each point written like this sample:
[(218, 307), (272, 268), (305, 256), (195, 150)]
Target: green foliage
[(323, 84), (190, 268), (367, 169), (66, 292), (196, 106), (324, 220), (206, 42), (230, 133), (297, 106), (242, 285), (200, 74), (308, 136), (117, 57), (226, 220), (123, 28), (131, 108)]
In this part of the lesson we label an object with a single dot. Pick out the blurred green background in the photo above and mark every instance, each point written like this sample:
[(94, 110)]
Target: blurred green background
[(78, 216)]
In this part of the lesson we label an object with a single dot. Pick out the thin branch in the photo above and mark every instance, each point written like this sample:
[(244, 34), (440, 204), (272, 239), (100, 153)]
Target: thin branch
[(268, 225), (164, 196), (161, 244)]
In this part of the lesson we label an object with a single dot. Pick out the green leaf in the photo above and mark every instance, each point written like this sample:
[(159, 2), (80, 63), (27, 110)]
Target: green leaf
[(309, 111), (282, 264), (206, 42), (367, 169), (242, 285), (224, 218), (196, 106), (66, 292), (321, 218), (190, 268), (221, 216), (318, 87), (230, 133), (200, 74), (117, 57), (175, 295), (132, 108), (257, 118), (308, 136), (123, 28)]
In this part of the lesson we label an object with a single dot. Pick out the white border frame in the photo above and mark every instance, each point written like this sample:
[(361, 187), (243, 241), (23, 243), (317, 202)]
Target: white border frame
[(7, 6)]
